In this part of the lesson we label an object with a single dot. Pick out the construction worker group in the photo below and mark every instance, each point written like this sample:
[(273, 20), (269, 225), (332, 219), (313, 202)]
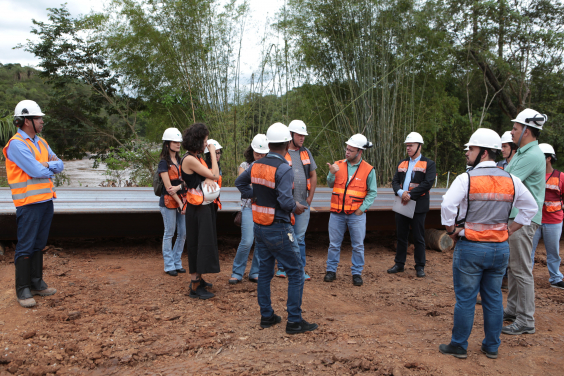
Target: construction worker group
[(496, 214)]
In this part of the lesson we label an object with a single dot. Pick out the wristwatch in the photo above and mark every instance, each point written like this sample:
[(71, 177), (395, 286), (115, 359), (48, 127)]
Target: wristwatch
[(452, 232)]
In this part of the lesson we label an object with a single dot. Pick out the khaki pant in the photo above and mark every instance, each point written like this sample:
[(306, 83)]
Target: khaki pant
[(521, 298)]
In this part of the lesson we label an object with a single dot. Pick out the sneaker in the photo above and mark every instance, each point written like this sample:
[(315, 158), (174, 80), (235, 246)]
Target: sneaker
[(489, 354), (558, 285), (330, 276), (508, 317), (267, 322), (200, 292), (48, 291), (281, 274), (205, 284), (299, 327), (456, 351), (515, 329), (357, 280), (307, 277)]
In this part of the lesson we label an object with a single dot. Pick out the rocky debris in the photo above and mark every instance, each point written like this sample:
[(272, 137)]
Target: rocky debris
[(74, 315), (29, 335)]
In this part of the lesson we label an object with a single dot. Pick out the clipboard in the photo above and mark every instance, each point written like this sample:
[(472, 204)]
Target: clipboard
[(406, 210)]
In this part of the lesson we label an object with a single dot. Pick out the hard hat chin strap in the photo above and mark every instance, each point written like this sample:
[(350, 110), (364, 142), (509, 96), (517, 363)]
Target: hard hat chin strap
[(520, 137), (478, 158)]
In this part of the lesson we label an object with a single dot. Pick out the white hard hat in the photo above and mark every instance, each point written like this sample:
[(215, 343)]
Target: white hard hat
[(28, 108), (413, 137), (209, 197), (485, 138), (260, 144), (506, 138), (298, 126), (531, 118), (172, 134), (466, 148), (214, 143), (278, 132), (547, 149), (359, 141)]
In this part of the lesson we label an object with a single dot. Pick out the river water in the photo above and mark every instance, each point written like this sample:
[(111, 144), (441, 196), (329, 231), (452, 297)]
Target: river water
[(81, 173)]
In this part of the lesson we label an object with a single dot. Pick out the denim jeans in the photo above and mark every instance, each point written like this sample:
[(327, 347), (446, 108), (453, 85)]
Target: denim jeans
[(247, 239), (478, 267), (300, 228), (33, 224), (550, 233), (173, 220), (338, 224), (278, 242)]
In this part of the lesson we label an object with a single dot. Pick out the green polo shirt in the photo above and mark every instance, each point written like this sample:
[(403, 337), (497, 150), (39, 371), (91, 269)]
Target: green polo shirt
[(370, 183), (529, 165)]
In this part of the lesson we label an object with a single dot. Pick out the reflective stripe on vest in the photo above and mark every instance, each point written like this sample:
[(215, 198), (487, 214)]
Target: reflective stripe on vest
[(25, 189), (349, 198), (490, 198), (553, 194), (306, 162)]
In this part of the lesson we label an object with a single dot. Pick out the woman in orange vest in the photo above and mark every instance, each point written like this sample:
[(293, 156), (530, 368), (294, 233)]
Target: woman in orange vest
[(30, 166), (201, 233), (171, 203)]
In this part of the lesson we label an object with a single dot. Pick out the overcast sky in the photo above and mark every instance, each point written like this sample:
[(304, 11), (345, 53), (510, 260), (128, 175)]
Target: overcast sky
[(16, 16)]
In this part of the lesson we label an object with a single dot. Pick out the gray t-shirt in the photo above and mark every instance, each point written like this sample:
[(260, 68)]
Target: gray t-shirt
[(300, 180)]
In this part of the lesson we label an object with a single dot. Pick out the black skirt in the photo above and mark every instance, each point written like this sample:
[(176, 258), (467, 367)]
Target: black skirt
[(201, 239)]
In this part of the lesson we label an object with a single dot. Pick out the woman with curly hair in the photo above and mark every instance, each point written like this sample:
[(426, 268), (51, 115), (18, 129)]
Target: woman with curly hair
[(201, 234)]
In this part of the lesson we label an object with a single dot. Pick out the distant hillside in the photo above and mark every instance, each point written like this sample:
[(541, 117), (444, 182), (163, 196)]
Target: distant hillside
[(18, 83)]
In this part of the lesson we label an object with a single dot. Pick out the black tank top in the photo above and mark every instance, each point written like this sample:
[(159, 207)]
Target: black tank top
[(192, 180)]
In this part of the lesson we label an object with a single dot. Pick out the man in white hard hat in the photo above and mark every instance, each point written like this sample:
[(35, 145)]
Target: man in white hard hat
[(483, 198), (273, 210), (529, 165), (305, 182), (30, 167), (413, 180), (552, 217), (508, 149), (354, 189)]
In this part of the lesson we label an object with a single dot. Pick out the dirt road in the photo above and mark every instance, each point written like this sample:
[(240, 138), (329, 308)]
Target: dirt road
[(117, 313)]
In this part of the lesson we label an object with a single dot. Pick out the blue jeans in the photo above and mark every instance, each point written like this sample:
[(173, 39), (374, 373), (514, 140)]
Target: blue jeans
[(551, 234), (478, 267), (33, 223), (278, 242), (173, 220), (247, 239), (300, 228), (338, 224)]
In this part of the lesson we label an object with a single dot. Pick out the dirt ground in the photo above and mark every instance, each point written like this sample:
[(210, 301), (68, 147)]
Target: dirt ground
[(117, 313)]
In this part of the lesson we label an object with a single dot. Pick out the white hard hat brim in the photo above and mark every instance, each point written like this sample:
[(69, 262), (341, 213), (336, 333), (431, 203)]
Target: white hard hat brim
[(354, 145), (303, 133)]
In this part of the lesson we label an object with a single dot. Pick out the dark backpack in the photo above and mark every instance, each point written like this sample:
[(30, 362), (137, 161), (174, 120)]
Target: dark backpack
[(158, 184)]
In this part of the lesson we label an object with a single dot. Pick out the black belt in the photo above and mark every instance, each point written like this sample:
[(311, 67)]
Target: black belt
[(280, 221)]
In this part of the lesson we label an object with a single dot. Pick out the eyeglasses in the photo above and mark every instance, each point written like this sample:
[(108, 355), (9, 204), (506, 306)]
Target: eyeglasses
[(217, 153)]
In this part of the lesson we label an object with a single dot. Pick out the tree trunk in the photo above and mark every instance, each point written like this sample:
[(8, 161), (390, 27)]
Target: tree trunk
[(438, 240)]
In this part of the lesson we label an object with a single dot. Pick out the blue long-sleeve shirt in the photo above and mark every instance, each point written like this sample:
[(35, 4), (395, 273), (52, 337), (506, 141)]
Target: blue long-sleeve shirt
[(408, 174), (19, 153), (284, 178)]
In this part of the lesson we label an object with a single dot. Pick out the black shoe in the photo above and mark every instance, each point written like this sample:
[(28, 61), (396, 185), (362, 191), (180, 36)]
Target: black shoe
[(299, 327), (23, 282), (330, 276), (489, 354), (234, 281), (181, 270), (357, 280), (508, 317), (396, 269), (456, 351), (200, 292), (558, 285), (420, 273), (267, 322), (172, 273), (204, 283), (254, 280)]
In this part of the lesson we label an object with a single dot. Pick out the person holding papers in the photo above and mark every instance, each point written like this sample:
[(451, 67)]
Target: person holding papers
[(413, 180)]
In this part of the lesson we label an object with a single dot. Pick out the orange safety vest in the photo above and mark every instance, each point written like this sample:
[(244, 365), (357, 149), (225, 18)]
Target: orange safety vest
[(420, 166), (306, 162), (217, 201), (490, 198), (553, 195), (25, 189), (263, 178), (195, 196), (175, 179), (349, 198)]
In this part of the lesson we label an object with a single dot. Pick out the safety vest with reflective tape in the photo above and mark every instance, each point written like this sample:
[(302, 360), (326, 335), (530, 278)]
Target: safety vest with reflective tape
[(420, 166), (491, 193), (195, 196), (25, 189), (175, 179), (263, 178), (217, 201), (348, 198), (553, 195), (306, 163)]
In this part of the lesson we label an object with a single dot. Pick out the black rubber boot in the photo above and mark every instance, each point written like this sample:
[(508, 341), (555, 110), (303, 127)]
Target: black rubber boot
[(23, 282), (38, 285)]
